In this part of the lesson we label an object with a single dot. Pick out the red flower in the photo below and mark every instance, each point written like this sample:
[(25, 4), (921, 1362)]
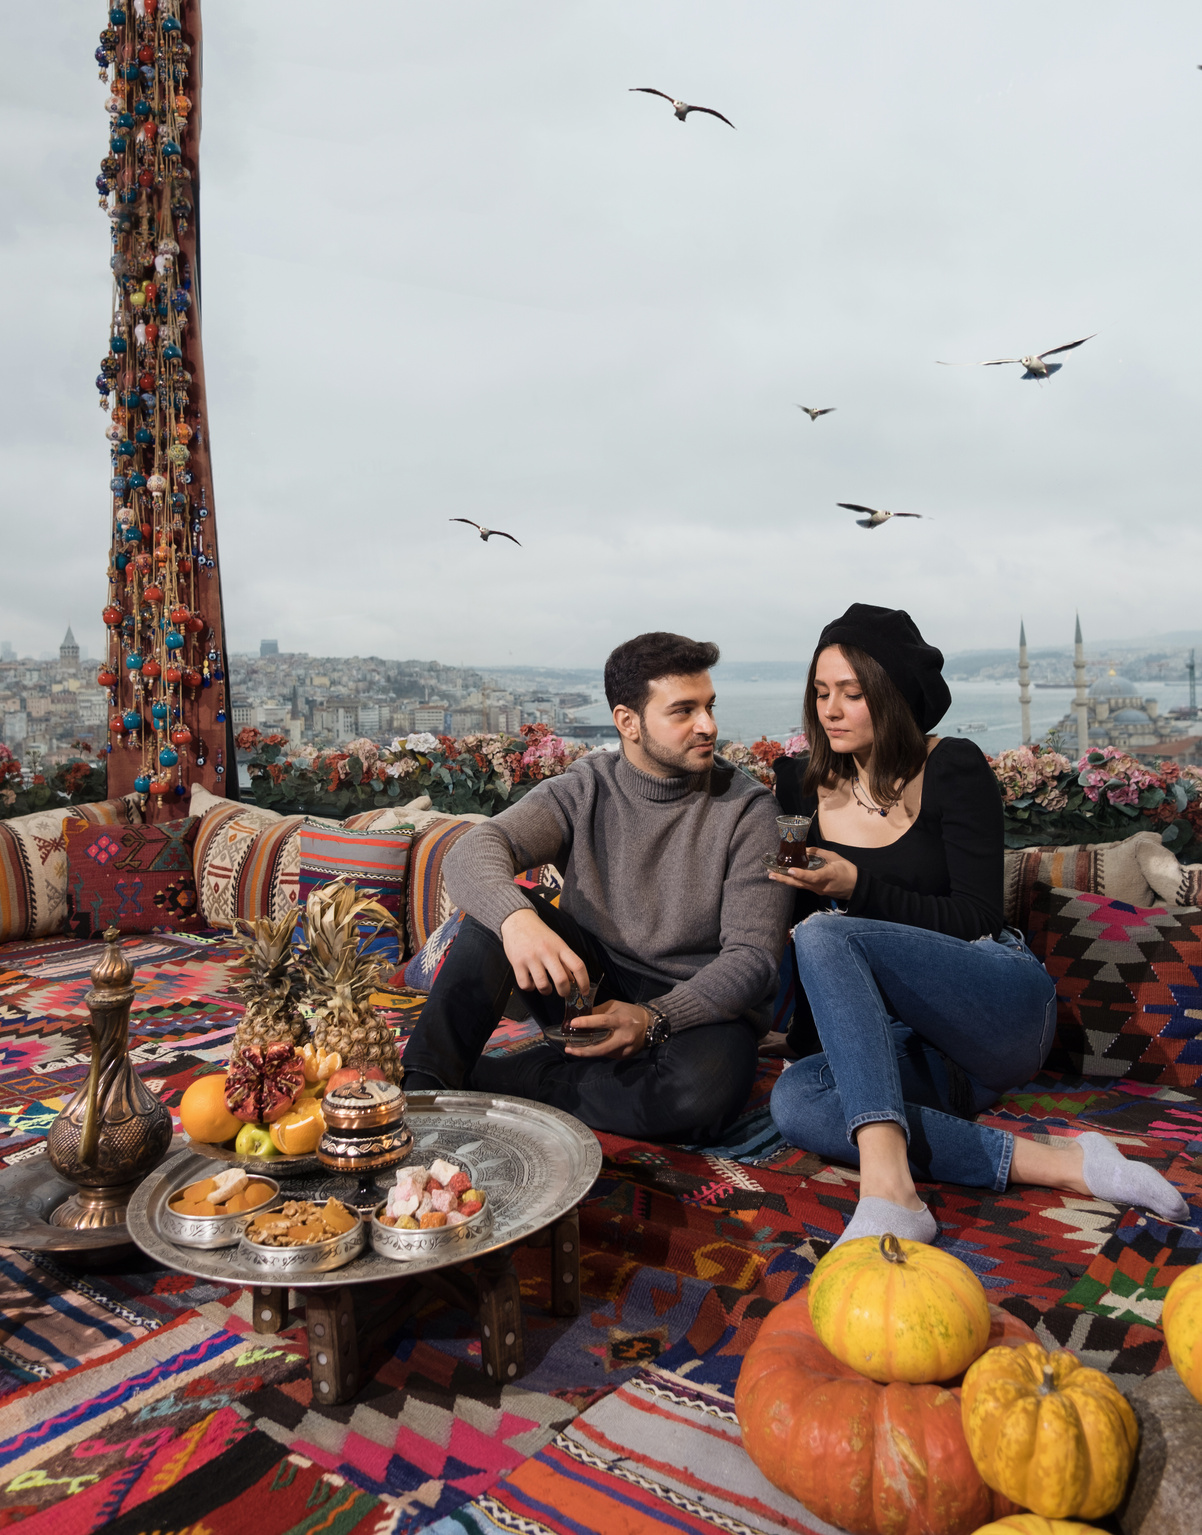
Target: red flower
[(275, 740), (247, 738), (766, 751)]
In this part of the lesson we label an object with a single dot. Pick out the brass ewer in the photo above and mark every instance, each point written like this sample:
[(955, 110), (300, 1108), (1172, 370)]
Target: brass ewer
[(114, 1130)]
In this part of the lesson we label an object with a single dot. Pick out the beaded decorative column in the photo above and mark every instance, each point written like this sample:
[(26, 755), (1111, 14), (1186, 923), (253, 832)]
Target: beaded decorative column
[(165, 671)]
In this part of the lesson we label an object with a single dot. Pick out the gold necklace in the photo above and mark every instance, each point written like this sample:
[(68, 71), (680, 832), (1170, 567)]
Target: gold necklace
[(867, 805)]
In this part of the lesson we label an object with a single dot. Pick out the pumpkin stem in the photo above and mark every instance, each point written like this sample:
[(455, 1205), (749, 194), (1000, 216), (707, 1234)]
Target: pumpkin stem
[(1048, 1385), (891, 1249)]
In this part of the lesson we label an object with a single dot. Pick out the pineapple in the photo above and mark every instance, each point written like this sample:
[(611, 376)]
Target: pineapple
[(340, 979), (272, 988)]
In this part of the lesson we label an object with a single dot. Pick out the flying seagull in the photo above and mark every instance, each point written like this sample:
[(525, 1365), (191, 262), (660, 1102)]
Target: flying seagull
[(681, 108), (1034, 364), (814, 411), (486, 533), (873, 518)]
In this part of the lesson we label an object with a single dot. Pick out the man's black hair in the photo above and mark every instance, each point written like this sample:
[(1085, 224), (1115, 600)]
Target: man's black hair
[(635, 665)]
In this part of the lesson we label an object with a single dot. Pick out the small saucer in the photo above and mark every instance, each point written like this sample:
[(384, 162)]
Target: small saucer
[(773, 867), (562, 1036)]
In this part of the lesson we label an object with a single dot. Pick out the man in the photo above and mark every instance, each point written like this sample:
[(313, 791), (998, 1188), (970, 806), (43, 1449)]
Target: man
[(665, 903)]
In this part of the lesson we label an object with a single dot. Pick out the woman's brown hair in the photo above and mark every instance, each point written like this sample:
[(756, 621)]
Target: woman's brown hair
[(899, 747)]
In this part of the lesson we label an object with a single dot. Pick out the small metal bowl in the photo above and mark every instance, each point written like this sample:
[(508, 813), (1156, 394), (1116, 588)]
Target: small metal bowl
[(396, 1242), (211, 1231), (316, 1258)]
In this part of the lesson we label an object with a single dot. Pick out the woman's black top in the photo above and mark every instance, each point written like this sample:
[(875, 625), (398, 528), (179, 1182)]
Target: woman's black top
[(945, 873)]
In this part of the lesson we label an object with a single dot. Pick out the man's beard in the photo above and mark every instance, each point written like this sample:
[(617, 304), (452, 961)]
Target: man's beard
[(671, 761)]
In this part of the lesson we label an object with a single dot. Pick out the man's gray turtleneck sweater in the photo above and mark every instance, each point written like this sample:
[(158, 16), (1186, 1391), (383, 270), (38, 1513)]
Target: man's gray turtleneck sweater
[(666, 872)]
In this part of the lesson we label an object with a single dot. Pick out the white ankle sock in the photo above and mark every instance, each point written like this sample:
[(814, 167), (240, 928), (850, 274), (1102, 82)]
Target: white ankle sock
[(1109, 1175), (874, 1217)]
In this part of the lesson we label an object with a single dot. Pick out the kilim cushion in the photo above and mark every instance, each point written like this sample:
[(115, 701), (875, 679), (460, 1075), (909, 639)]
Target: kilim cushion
[(33, 864), (137, 879), (375, 861), (1106, 868), (239, 858), (1128, 983), (419, 973), (428, 905)]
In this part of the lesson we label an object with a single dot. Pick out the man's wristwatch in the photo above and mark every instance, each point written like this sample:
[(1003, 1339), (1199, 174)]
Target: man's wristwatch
[(658, 1029)]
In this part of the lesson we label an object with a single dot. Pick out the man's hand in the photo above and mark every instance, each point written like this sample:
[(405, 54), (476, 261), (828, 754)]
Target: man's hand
[(628, 1021), (541, 960), (836, 878)]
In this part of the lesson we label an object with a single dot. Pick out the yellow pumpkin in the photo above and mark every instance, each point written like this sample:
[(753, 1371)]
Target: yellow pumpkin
[(1049, 1433), (897, 1310), (1182, 1323), (1036, 1524)]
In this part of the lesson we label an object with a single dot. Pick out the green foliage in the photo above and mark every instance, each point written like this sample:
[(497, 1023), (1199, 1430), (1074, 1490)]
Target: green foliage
[(71, 783)]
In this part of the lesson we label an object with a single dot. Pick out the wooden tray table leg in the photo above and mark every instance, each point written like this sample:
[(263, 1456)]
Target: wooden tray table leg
[(268, 1308), (502, 1346), (333, 1346), (565, 1265)]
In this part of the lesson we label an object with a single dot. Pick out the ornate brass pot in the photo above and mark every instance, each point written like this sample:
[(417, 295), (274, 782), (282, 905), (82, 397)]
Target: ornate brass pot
[(114, 1130)]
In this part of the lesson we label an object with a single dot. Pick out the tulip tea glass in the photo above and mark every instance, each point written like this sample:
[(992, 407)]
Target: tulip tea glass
[(578, 1004), (792, 853)]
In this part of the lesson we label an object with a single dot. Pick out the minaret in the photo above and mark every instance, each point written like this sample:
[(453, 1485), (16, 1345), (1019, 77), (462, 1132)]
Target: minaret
[(1024, 683), (1080, 702)]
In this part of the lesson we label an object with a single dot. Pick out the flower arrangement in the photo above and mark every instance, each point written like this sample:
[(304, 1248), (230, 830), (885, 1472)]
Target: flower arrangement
[(75, 782), (756, 760), (1049, 801), (478, 774)]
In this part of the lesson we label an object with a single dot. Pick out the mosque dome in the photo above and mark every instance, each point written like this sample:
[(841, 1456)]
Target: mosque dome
[(1131, 717), (1114, 686)]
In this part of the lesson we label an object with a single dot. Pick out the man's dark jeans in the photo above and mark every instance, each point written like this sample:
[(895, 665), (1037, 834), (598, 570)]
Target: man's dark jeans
[(688, 1089)]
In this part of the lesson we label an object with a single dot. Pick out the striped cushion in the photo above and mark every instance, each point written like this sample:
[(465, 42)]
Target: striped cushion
[(429, 906), (239, 851), (33, 864), (375, 861)]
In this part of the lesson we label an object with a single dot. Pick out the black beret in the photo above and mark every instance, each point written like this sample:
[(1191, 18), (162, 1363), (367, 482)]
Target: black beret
[(891, 638)]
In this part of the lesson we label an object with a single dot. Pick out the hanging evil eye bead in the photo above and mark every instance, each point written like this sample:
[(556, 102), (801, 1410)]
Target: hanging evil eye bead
[(168, 757), (220, 768), (142, 783), (221, 713), (181, 788), (201, 755), (132, 720)]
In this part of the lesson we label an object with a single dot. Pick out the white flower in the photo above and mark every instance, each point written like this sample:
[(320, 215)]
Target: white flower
[(421, 741)]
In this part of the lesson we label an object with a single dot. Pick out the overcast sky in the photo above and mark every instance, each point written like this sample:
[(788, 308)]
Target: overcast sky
[(453, 268)]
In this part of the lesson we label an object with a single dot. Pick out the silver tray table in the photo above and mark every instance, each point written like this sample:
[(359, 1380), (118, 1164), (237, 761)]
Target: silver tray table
[(534, 1163)]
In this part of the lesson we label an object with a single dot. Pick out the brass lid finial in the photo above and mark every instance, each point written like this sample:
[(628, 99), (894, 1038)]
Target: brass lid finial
[(112, 970)]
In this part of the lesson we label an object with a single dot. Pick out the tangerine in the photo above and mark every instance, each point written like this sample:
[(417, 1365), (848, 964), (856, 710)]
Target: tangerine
[(203, 1113), (299, 1130)]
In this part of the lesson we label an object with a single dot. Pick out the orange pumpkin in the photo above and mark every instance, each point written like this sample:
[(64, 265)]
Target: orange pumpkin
[(1036, 1524), (872, 1459), (1181, 1320), (897, 1310), (1045, 1430)]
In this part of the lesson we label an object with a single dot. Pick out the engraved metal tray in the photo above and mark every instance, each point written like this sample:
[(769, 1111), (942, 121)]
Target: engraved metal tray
[(534, 1163)]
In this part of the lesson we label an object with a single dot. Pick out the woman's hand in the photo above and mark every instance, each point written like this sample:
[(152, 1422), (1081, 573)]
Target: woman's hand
[(835, 879)]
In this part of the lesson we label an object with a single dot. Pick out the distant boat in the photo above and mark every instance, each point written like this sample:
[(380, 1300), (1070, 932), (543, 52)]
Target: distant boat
[(971, 727), (1055, 684), (753, 679)]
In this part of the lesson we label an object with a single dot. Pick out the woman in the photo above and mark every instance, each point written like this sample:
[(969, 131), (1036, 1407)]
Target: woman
[(926, 1005)]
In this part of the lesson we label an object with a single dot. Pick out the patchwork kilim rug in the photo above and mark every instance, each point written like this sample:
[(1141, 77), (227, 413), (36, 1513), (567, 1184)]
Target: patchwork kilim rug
[(141, 1399)]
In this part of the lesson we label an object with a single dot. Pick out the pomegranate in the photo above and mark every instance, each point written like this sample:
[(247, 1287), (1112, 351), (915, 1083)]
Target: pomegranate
[(262, 1085)]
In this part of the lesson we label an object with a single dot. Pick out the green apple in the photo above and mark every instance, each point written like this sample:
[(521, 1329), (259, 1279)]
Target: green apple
[(255, 1141)]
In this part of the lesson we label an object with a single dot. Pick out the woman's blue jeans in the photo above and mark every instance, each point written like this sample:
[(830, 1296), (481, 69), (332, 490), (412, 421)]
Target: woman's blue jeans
[(919, 1028)]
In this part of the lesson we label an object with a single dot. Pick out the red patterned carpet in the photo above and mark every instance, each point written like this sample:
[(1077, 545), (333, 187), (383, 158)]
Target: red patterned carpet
[(120, 1390)]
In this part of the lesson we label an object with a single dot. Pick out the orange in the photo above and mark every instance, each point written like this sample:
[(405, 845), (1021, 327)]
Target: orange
[(300, 1129), (203, 1113)]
